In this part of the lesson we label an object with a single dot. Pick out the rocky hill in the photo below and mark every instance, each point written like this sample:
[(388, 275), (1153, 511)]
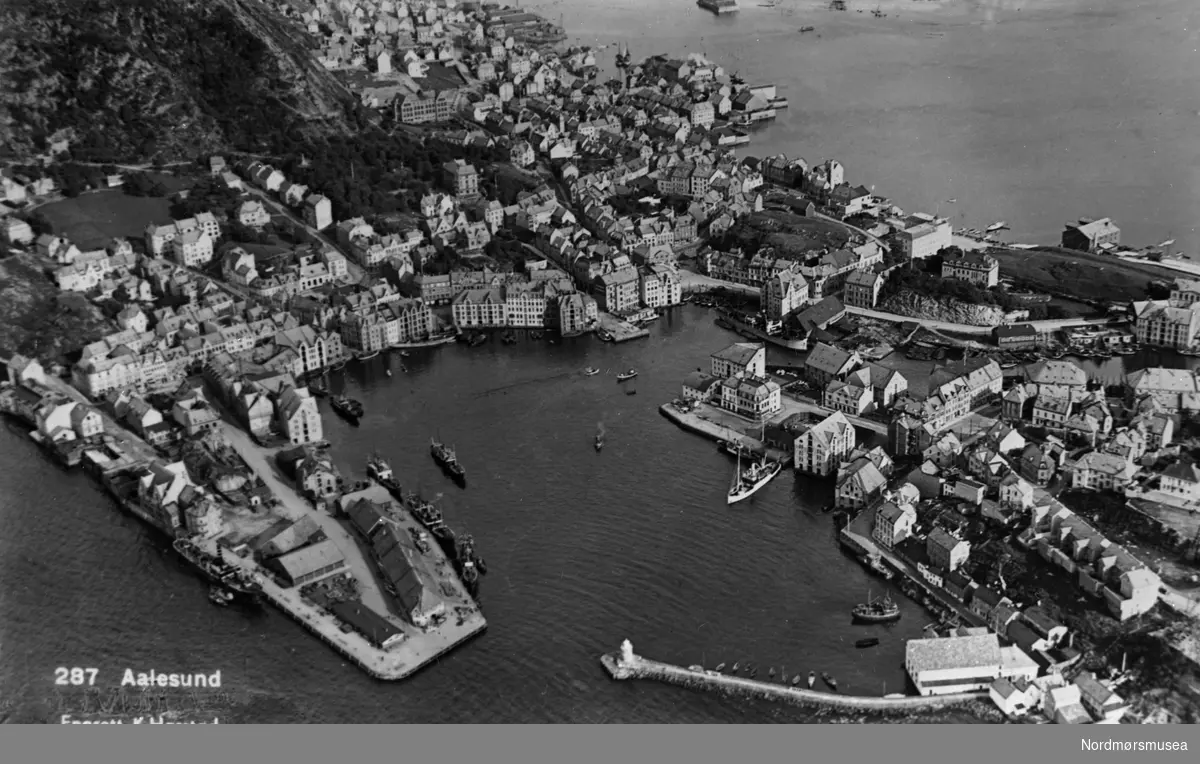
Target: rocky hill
[(37, 319), (909, 303), (136, 80)]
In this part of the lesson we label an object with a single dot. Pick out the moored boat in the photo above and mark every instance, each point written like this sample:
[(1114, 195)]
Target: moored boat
[(812, 679), (627, 375), (829, 680), (381, 472), (867, 642), (796, 680), (591, 371), (749, 481), (219, 596), (216, 569), (368, 356)]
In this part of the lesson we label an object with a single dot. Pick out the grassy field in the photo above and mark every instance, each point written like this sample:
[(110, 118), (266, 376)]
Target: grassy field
[(1089, 277), (92, 220), (791, 235)]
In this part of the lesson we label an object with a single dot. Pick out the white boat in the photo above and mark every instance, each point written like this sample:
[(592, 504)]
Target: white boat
[(627, 375), (951, 201), (747, 482), (997, 226), (591, 371)]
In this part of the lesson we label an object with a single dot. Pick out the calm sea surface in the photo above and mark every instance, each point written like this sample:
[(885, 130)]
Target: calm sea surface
[(1032, 113)]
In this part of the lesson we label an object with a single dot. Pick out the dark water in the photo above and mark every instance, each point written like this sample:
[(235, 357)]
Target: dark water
[(584, 549)]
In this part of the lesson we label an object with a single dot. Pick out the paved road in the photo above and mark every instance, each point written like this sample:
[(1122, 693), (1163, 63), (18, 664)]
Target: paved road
[(296, 507), (1043, 326)]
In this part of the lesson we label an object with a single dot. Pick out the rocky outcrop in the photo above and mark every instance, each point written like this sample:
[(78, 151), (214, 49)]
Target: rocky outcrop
[(906, 303)]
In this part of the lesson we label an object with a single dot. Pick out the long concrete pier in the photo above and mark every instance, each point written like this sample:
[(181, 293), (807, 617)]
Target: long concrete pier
[(715, 431), (626, 665)]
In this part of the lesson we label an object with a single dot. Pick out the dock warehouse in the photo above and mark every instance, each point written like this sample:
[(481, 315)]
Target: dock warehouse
[(374, 628), (310, 563), (947, 665)]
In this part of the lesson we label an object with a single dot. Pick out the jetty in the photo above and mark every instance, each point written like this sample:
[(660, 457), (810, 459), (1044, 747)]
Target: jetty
[(625, 664), (715, 430), (621, 330)]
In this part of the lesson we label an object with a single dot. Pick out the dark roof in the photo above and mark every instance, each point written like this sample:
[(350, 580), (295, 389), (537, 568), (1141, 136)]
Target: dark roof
[(1017, 330), (366, 621)]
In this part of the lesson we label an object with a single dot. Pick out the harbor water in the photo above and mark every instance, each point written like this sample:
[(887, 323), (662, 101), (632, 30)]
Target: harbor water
[(584, 549)]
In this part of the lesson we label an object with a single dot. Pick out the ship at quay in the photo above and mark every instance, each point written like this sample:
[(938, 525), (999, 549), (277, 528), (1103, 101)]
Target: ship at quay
[(719, 7)]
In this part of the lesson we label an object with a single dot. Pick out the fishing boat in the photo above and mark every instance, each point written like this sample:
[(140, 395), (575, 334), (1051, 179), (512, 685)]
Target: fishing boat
[(381, 472), (997, 227), (737, 449), (795, 680), (868, 642), (627, 375), (735, 668), (368, 356), (219, 596), (604, 335), (877, 611), (812, 679), (591, 371), (806, 29), (829, 680), (747, 482), (347, 407), (447, 459), (476, 339), (720, 667), (318, 389), (599, 441)]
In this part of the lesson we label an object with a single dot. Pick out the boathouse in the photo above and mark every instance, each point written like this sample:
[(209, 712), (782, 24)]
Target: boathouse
[(947, 665)]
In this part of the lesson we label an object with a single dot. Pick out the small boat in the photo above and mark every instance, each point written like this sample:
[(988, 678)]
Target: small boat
[(771, 671), (951, 201), (997, 227), (388, 372), (795, 680), (806, 29), (627, 375), (318, 390), (220, 597), (829, 680), (404, 354), (720, 667), (735, 668), (347, 407), (591, 371), (868, 642), (368, 356), (599, 441), (631, 391), (812, 679)]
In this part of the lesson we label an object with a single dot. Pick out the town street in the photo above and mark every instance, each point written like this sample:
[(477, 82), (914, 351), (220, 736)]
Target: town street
[(946, 326)]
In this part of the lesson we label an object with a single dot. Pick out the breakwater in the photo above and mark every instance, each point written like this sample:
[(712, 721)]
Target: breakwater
[(626, 665)]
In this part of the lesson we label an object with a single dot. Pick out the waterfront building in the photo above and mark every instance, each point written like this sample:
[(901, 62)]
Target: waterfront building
[(659, 286), (783, 293), (309, 564), (299, 418), (577, 313), (317, 350), (405, 572), (862, 289), (479, 308), (820, 450), (947, 665), (617, 292), (741, 359), (920, 235), (981, 270), (893, 523), (698, 386), (860, 483), (1091, 235), (1163, 323), (755, 398), (1016, 337)]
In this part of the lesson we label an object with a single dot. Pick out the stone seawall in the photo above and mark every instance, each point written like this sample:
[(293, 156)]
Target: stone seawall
[(620, 668)]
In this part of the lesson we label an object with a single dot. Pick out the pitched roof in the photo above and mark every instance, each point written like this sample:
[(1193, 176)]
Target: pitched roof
[(946, 653), (740, 353), (827, 359)]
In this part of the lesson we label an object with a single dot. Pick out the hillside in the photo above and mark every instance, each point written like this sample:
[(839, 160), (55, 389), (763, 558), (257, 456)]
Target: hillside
[(37, 319), (137, 80)]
